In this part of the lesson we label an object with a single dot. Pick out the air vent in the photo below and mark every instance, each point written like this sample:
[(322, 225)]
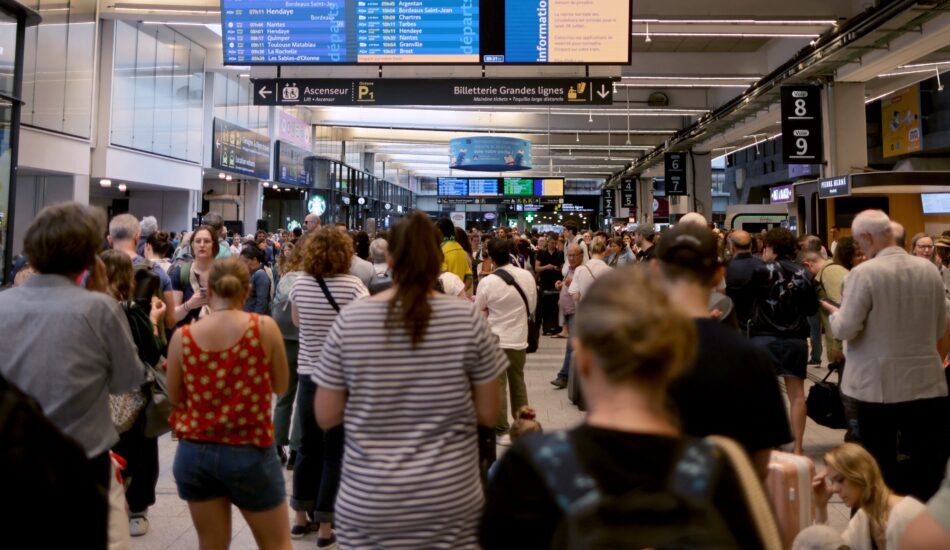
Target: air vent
[(658, 99)]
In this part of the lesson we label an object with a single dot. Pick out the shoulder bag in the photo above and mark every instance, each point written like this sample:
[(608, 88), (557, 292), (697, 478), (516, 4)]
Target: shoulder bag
[(533, 335)]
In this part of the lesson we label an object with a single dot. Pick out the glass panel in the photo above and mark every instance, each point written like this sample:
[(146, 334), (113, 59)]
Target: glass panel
[(164, 72), (231, 112), (179, 99), (49, 95), (143, 123), (7, 52), (196, 92), (123, 84), (6, 117), (80, 56), (29, 73)]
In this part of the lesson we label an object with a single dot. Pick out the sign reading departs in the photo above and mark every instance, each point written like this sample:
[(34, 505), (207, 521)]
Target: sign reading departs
[(675, 173), (834, 187), (407, 91), (628, 192), (782, 194), (801, 125), (900, 122)]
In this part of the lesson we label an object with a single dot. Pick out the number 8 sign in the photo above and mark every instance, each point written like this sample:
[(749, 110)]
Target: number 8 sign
[(802, 125)]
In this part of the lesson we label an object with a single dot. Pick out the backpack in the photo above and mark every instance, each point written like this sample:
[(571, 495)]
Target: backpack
[(788, 299), (40, 465), (680, 516)]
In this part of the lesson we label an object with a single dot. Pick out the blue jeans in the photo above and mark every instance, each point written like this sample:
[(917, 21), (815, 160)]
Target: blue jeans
[(287, 428), (250, 477), (562, 374), (319, 459)]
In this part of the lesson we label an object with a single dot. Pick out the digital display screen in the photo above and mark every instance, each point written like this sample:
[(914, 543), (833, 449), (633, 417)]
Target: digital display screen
[(240, 150), (518, 187), (935, 203), (291, 164), (483, 187), (457, 32), (453, 187), (549, 187)]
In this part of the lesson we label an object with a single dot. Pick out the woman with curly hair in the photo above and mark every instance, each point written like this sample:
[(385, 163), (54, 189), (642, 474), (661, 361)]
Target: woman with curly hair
[(317, 297)]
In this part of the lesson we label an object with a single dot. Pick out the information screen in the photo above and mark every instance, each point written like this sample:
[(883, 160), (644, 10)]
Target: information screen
[(240, 150), (549, 187), (935, 203), (453, 187), (517, 187), (483, 187), (457, 32), (292, 164)]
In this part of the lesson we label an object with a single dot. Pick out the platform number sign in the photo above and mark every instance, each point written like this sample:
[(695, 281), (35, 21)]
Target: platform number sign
[(628, 192), (802, 125), (610, 206), (675, 174)]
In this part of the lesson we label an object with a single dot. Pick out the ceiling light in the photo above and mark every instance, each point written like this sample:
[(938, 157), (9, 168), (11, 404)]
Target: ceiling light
[(939, 84), (648, 39), (803, 22), (105, 183), (590, 116), (266, 184), (728, 35), (228, 178), (176, 23), (221, 175), (122, 188), (914, 66)]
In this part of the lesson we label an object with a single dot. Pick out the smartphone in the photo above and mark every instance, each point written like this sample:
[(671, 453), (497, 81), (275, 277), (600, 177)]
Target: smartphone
[(203, 292)]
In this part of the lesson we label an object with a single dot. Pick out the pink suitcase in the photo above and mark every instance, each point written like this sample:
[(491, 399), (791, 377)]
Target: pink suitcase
[(789, 486)]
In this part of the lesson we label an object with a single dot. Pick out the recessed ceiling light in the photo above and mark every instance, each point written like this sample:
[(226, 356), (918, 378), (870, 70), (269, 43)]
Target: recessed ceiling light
[(122, 187), (105, 183)]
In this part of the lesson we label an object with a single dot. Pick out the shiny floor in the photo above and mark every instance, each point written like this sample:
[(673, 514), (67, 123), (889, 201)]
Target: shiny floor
[(171, 527)]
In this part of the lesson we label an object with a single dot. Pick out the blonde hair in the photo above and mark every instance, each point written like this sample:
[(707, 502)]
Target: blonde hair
[(229, 278), (526, 423), (598, 245), (856, 465)]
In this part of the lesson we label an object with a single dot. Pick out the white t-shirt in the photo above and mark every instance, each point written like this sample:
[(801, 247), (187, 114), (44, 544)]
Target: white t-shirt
[(858, 534), (506, 312), (452, 285), (585, 275)]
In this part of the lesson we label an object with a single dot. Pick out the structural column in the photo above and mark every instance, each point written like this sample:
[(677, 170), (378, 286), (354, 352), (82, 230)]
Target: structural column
[(846, 132), (699, 183)]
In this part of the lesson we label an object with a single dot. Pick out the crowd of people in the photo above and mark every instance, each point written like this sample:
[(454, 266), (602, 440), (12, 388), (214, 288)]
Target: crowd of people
[(384, 370)]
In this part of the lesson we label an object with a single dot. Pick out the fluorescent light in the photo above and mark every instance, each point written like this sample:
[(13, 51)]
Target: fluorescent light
[(933, 64), (175, 23), (105, 183), (668, 85), (725, 35), (902, 73), (742, 78), (122, 188), (737, 21)]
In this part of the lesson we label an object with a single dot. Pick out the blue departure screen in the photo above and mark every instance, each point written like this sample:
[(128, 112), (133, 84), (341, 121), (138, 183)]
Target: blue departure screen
[(285, 32), (453, 187), (483, 187)]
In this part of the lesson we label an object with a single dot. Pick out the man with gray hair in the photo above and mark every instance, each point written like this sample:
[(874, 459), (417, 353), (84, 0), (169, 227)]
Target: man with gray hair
[(382, 278), (892, 314), (149, 227), (124, 233)]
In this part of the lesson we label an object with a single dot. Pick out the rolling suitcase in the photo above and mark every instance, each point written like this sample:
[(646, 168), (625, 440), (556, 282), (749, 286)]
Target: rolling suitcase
[(789, 487)]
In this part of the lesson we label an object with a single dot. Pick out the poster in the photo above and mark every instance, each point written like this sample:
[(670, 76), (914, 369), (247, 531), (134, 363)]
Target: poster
[(900, 122)]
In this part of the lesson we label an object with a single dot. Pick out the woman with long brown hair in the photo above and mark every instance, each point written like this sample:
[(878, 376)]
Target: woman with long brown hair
[(410, 373)]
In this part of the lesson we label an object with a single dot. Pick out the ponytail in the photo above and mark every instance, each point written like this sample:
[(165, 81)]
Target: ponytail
[(417, 261), (229, 279)]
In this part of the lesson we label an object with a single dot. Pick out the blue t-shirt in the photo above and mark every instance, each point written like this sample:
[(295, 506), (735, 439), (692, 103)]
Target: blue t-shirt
[(166, 282), (187, 292)]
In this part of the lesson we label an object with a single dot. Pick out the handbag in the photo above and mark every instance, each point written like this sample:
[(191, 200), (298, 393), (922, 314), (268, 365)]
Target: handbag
[(533, 333), (158, 408), (824, 404), (125, 409)]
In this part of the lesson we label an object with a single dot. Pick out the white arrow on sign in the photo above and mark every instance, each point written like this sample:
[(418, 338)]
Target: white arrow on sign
[(604, 92), (264, 92)]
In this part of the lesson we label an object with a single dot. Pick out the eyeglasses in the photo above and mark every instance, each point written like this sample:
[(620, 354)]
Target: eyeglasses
[(925, 246)]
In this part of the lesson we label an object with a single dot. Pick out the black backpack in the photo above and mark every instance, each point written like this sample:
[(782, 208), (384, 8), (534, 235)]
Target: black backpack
[(40, 465), (789, 299), (681, 516)]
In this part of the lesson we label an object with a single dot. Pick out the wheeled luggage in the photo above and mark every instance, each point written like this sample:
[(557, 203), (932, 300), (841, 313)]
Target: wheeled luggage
[(789, 487)]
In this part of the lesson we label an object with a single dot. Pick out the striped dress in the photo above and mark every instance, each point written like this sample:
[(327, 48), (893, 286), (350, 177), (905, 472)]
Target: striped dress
[(316, 313), (410, 468)]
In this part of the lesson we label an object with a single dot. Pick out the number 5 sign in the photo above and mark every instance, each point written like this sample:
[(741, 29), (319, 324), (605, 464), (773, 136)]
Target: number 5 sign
[(802, 125)]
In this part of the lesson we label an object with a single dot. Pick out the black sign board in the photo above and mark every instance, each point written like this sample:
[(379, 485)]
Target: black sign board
[(610, 207), (412, 91), (834, 187), (675, 173), (628, 192), (801, 125), (240, 150), (291, 165)]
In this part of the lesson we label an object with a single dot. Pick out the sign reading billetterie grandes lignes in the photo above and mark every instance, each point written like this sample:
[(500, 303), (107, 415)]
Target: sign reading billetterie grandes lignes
[(802, 125), (834, 187), (288, 92)]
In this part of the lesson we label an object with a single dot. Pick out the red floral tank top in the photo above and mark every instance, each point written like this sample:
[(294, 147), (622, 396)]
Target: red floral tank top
[(227, 393)]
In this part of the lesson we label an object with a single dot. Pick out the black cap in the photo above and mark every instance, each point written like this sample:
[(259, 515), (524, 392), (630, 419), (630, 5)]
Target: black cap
[(689, 246)]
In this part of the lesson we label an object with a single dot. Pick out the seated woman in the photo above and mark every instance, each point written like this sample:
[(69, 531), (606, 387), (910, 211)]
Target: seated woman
[(629, 343), (853, 474)]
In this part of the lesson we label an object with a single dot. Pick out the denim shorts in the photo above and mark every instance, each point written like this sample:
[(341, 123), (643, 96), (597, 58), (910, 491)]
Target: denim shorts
[(250, 477), (789, 355)]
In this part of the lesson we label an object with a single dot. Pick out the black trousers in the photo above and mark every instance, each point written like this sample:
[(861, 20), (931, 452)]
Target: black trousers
[(141, 468), (548, 310), (909, 440)]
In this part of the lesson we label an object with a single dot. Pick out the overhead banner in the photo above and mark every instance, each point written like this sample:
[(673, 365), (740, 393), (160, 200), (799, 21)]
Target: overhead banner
[(444, 91), (900, 122), (675, 174), (628, 192), (491, 154), (237, 149), (801, 125)]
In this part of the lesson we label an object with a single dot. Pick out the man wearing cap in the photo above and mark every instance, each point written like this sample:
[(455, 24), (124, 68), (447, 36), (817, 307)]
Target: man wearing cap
[(943, 255), (645, 235), (726, 364)]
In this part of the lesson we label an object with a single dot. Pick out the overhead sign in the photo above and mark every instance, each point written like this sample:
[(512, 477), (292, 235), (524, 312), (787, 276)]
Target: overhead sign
[(782, 194), (609, 204), (491, 154), (292, 164), (834, 187), (240, 150), (628, 192), (802, 125), (900, 122), (675, 173), (409, 91), (294, 131)]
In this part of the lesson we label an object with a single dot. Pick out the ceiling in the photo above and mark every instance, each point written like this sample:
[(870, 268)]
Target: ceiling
[(700, 55)]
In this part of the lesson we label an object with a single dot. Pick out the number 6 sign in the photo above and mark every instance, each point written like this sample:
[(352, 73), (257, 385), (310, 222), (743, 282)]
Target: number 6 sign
[(802, 125)]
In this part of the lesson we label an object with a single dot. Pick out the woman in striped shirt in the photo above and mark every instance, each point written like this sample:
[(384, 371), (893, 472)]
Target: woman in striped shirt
[(317, 297), (409, 372)]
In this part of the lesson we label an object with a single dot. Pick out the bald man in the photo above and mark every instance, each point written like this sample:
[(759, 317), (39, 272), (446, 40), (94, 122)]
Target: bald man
[(311, 223), (739, 275)]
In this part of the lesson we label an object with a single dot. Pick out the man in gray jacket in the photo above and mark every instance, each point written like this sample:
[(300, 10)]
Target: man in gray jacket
[(892, 314)]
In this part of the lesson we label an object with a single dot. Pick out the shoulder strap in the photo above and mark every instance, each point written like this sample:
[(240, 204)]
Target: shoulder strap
[(505, 276), (184, 275), (592, 276), (326, 292), (554, 457)]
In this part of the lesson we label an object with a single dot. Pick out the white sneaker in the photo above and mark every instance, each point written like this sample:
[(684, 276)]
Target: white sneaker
[(503, 440), (138, 526)]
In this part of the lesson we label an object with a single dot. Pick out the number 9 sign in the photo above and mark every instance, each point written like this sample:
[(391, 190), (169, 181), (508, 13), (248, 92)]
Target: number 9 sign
[(801, 125)]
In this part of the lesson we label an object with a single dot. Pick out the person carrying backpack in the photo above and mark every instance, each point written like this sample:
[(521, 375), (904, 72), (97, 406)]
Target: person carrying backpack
[(785, 297), (627, 477)]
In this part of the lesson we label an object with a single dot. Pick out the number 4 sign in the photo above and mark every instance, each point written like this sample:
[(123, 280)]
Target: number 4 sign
[(802, 125)]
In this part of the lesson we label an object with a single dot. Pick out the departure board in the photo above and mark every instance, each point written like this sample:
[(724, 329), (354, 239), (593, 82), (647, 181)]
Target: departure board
[(483, 187), (552, 187), (456, 32), (453, 187), (518, 187)]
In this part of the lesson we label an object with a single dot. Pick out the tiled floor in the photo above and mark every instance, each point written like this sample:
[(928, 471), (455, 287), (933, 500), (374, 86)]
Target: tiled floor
[(170, 523)]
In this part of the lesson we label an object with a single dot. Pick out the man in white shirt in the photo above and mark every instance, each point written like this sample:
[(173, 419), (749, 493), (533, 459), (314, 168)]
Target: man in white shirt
[(508, 318), (892, 314)]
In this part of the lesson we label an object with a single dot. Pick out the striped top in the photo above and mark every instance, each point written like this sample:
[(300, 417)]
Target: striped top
[(317, 315), (410, 468)]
